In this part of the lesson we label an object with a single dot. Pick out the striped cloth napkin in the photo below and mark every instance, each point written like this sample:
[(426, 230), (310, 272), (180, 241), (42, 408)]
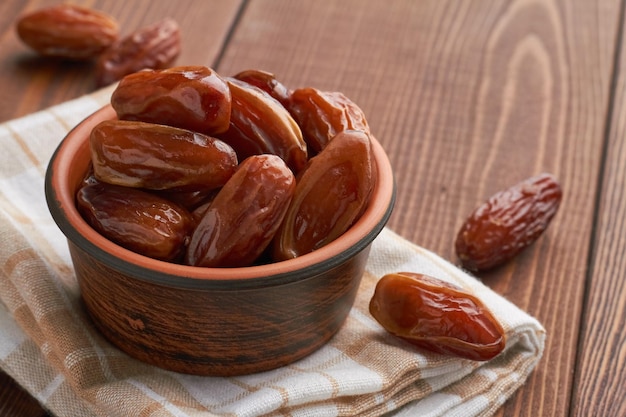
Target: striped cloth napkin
[(49, 347)]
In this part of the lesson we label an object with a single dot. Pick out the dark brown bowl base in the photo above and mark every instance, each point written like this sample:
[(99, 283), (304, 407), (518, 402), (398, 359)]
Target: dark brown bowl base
[(263, 329)]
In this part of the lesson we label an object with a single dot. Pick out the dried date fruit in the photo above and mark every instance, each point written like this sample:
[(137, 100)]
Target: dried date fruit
[(322, 115), (152, 47), (508, 222), (198, 213), (267, 82), (242, 219), (89, 178), (68, 31), (158, 157), (437, 316), (136, 220), (332, 192), (189, 97), (191, 200), (259, 124)]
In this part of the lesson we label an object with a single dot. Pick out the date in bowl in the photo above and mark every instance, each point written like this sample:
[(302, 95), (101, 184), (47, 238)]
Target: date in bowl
[(211, 321)]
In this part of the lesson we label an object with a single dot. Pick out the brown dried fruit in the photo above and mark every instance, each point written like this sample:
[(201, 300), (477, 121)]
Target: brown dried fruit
[(152, 47), (68, 31), (259, 124), (136, 220), (332, 192), (267, 82), (322, 115), (189, 97), (159, 157), (508, 222), (191, 200), (435, 315), (242, 219)]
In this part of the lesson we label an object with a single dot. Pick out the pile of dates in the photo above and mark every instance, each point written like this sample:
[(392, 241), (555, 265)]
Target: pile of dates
[(215, 171)]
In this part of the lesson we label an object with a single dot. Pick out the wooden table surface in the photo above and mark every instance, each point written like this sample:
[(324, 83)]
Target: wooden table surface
[(467, 97)]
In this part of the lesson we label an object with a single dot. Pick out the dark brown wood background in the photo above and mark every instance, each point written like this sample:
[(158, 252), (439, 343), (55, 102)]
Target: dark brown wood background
[(467, 97)]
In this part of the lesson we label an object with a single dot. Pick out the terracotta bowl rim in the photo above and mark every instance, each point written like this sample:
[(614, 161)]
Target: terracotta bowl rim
[(61, 205)]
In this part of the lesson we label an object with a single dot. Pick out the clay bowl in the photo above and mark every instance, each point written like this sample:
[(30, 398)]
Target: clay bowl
[(210, 321)]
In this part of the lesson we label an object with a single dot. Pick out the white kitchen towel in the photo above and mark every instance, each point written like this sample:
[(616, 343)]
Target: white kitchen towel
[(49, 346)]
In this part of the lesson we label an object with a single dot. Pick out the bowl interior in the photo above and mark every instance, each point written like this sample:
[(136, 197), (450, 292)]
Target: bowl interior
[(69, 165)]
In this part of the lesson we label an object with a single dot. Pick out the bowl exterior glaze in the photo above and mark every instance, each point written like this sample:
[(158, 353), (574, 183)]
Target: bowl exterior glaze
[(210, 321), (217, 332)]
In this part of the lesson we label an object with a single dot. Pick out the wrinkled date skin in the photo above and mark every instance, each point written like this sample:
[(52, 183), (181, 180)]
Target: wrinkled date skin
[(508, 222), (259, 124), (332, 193), (240, 222), (158, 157), (267, 82), (152, 47), (68, 31), (437, 316), (322, 115), (136, 220), (189, 97)]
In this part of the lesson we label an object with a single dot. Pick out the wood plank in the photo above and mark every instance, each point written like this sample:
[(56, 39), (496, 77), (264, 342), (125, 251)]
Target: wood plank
[(468, 98), (600, 380), (14, 401), (31, 83)]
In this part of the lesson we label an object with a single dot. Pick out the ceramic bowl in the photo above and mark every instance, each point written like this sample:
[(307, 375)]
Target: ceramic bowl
[(210, 321)]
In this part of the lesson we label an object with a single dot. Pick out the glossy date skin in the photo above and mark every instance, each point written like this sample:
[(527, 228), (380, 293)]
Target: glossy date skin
[(508, 222), (267, 82), (332, 192), (189, 97), (259, 124), (136, 220), (437, 316), (158, 157), (242, 219), (323, 114)]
